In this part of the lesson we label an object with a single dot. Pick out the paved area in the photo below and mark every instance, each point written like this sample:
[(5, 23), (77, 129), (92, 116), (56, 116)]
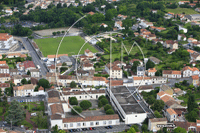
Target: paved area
[(27, 99), (34, 56), (48, 32)]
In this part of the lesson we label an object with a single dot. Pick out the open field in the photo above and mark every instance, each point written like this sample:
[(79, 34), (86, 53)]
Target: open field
[(70, 45), (48, 32), (181, 10)]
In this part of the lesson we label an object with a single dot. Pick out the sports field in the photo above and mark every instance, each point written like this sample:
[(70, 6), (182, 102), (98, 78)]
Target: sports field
[(181, 10), (70, 45)]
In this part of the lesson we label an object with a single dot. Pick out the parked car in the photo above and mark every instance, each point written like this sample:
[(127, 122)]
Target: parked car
[(74, 130), (33, 114), (110, 127), (70, 130), (93, 128)]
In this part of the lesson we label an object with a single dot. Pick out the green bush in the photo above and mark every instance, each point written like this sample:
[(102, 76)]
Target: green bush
[(102, 96), (107, 107), (78, 109), (110, 112), (26, 124), (104, 101), (73, 101), (85, 104)]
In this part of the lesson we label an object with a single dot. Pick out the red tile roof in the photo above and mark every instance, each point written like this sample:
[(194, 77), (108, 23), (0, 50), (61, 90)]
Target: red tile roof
[(28, 64)]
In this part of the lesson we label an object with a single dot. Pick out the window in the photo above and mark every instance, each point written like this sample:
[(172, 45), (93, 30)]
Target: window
[(65, 125), (83, 124), (97, 123), (110, 122), (71, 124), (80, 97), (85, 96), (135, 115), (104, 122), (91, 123), (78, 124)]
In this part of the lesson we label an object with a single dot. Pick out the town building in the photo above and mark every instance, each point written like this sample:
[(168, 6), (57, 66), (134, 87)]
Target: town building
[(25, 90), (193, 17), (151, 72), (153, 124), (171, 115), (35, 73), (171, 74), (7, 42), (114, 71), (28, 65), (188, 71)]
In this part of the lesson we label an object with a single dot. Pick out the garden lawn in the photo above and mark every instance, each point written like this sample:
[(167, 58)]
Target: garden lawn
[(181, 10), (70, 45)]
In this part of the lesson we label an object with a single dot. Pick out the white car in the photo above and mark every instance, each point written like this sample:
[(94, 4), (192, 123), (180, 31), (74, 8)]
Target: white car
[(33, 114)]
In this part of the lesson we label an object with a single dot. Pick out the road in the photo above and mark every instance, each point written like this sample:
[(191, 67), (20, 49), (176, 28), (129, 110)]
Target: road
[(34, 56)]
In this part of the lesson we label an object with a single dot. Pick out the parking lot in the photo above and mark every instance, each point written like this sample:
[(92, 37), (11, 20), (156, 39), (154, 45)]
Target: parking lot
[(116, 128)]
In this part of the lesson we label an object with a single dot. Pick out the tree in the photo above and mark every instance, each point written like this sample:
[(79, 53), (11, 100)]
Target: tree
[(44, 83), (157, 114), (77, 108), (73, 101), (85, 104), (55, 129), (54, 33), (73, 84), (28, 72), (158, 105), (15, 113), (1, 92), (191, 104), (58, 32), (40, 120), (192, 116), (136, 128), (29, 81), (109, 15), (110, 112), (63, 32), (135, 65), (9, 91), (107, 107), (100, 104), (131, 130), (104, 101), (24, 81), (179, 130), (149, 64), (150, 99), (102, 96), (144, 128)]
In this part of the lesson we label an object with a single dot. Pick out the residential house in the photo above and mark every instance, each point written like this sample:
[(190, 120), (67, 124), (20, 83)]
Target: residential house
[(171, 51), (190, 40), (14, 72), (183, 2), (122, 17), (194, 55), (4, 77), (3, 86), (119, 63), (192, 5), (146, 88), (29, 65), (65, 59), (154, 60), (195, 80), (188, 71), (151, 71), (114, 71), (152, 124), (51, 77), (173, 105), (3, 63), (167, 98), (147, 80), (171, 44), (118, 24), (133, 60), (166, 89), (159, 29), (194, 127), (162, 94), (153, 11), (87, 66), (181, 28), (140, 71), (145, 24), (2, 131), (151, 36), (155, 41), (197, 9), (171, 74), (54, 57), (52, 69), (25, 90), (195, 44), (35, 73), (4, 69), (178, 92), (91, 13), (104, 25), (171, 115), (181, 37)]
